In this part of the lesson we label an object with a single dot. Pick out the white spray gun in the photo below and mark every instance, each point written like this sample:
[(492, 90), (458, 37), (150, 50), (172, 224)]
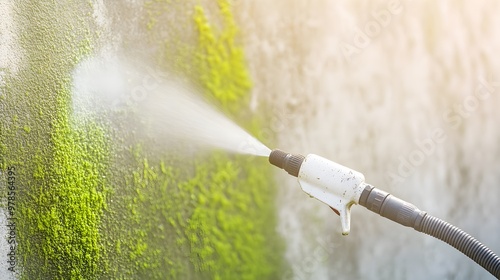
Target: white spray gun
[(331, 183), (340, 187)]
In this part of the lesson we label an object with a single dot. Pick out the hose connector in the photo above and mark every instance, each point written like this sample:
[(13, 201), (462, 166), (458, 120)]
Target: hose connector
[(391, 207)]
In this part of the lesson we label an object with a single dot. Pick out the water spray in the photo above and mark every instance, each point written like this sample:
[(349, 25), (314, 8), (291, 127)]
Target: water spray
[(341, 187)]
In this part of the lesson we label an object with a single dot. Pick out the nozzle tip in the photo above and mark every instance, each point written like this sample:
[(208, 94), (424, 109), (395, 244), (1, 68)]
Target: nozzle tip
[(277, 157), (290, 162)]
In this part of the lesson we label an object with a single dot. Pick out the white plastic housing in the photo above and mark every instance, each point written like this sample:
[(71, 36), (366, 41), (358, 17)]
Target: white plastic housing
[(331, 183)]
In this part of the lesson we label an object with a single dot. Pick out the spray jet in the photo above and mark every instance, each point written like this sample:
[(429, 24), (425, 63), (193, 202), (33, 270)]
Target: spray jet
[(341, 187)]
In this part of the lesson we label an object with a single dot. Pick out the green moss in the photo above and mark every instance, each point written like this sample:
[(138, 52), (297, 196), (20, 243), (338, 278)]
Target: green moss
[(61, 164), (220, 61), (227, 234), (72, 203), (211, 216), (235, 223), (223, 213)]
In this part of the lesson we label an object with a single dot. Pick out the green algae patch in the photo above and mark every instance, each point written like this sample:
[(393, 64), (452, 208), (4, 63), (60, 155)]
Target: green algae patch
[(61, 164), (228, 235), (220, 60), (232, 228), (182, 221), (223, 212), (64, 217)]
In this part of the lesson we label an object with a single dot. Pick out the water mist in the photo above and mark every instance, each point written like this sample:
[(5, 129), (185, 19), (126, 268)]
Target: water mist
[(163, 107)]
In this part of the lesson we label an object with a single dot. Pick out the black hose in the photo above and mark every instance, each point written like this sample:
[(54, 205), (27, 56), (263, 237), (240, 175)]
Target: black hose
[(409, 215), (462, 241)]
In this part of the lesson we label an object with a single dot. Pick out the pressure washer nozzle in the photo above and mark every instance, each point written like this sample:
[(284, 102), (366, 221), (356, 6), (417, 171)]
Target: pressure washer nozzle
[(290, 162)]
